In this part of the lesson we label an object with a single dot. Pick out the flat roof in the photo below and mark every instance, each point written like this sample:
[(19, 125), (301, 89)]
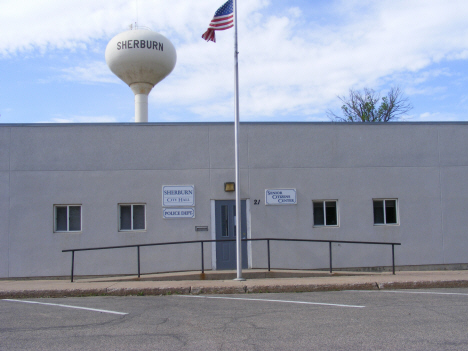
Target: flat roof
[(146, 124)]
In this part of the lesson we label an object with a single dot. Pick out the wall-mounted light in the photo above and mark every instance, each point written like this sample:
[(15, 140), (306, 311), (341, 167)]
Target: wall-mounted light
[(229, 186)]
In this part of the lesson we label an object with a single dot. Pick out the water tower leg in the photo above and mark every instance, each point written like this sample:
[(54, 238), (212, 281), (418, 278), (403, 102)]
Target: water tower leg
[(141, 108), (141, 91)]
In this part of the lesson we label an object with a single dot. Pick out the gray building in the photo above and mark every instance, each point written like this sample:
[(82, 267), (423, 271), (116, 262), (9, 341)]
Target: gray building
[(89, 185)]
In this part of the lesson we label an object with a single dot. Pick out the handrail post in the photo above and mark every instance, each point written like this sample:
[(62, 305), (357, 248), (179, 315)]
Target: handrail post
[(73, 264), (202, 258), (268, 246), (330, 246), (138, 250), (393, 258)]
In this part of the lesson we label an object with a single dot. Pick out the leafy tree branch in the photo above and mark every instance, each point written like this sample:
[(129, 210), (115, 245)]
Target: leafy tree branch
[(363, 106)]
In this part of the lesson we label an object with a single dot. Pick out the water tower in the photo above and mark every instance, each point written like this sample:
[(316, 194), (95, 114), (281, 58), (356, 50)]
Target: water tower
[(141, 58)]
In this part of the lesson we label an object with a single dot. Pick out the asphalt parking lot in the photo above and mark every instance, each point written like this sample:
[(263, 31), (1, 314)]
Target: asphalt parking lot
[(435, 319)]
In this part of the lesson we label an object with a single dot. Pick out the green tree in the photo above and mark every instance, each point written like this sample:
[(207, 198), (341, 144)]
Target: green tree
[(363, 106)]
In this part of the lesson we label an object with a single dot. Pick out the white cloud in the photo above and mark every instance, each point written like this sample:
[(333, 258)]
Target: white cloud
[(90, 72), (434, 117), (464, 99), (289, 64), (82, 119), (50, 24), (284, 69)]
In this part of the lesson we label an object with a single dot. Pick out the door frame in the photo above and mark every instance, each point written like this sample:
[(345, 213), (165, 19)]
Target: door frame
[(213, 232)]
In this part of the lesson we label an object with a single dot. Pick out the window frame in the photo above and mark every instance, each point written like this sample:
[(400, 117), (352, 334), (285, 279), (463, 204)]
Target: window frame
[(397, 212), (325, 225), (56, 230), (119, 219)]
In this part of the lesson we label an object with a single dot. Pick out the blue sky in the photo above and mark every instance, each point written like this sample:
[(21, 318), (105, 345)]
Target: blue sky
[(296, 57)]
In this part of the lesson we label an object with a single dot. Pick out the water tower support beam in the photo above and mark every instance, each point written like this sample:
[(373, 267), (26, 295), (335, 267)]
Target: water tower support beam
[(141, 108), (141, 91)]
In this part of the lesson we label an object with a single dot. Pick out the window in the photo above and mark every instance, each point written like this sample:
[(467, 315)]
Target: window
[(325, 213), (385, 211), (132, 217), (67, 218)]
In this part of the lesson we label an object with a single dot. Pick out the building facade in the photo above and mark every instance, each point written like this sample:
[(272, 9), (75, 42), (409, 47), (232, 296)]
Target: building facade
[(93, 185)]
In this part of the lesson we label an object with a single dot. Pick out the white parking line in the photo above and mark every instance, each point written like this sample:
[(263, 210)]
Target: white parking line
[(419, 292), (67, 306), (284, 301)]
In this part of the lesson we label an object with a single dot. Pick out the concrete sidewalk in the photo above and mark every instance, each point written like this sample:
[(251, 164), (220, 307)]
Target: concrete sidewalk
[(258, 281)]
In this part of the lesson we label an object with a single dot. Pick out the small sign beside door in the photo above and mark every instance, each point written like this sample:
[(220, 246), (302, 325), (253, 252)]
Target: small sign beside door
[(280, 197), (171, 213), (178, 195)]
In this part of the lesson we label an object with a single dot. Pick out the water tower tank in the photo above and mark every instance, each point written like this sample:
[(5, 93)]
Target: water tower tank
[(141, 58)]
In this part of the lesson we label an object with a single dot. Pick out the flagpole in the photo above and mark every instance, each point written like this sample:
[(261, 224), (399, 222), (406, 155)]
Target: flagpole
[(236, 137)]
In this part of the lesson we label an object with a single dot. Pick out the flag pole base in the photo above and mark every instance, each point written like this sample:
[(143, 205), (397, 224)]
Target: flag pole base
[(240, 279)]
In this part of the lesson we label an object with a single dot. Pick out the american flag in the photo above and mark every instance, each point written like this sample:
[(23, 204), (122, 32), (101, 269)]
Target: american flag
[(223, 19)]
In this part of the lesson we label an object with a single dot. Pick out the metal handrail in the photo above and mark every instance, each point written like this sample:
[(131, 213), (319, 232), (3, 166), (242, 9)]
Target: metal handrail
[(330, 242)]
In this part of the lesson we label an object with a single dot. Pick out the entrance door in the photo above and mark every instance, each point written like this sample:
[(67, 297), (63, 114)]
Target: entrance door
[(225, 230)]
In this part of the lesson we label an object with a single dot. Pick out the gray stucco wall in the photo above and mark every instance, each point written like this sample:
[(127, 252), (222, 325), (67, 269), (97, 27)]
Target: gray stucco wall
[(354, 164), (99, 166)]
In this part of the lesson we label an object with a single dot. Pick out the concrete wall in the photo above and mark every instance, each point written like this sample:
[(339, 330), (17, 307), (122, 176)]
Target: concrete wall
[(99, 166), (353, 163), (4, 201)]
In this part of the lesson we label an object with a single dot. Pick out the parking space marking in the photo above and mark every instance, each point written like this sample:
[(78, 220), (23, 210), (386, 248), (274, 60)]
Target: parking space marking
[(423, 292), (409, 292), (268, 300), (67, 306)]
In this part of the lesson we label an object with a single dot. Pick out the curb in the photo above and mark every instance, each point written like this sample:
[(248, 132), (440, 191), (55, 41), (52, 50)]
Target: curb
[(423, 285), (245, 289)]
